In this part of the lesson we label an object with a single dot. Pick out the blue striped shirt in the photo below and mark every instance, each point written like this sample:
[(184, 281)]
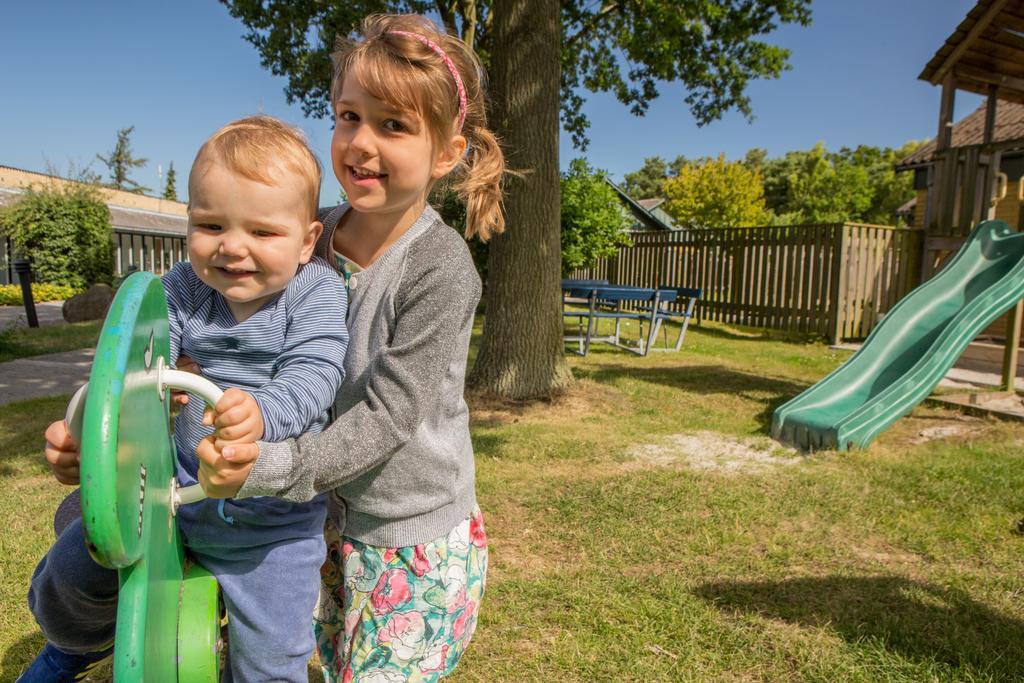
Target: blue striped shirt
[(289, 354)]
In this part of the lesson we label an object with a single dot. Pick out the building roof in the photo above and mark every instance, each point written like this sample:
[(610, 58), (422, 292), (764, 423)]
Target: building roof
[(907, 207), (652, 203), (150, 222), (12, 178), (128, 211), (641, 212), (1009, 125), (985, 54)]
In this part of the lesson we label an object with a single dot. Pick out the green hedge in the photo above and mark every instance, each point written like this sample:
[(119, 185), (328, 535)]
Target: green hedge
[(67, 233), (10, 295)]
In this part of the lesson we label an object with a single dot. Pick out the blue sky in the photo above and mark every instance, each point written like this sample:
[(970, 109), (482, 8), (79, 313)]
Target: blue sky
[(76, 72)]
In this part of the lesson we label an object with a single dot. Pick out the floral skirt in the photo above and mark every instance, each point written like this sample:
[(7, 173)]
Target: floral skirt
[(389, 615)]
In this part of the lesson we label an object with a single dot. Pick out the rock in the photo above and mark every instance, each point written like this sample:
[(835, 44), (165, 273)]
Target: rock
[(92, 304)]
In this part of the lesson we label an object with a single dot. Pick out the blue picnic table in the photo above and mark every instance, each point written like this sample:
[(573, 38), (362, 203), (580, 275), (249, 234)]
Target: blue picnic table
[(599, 300)]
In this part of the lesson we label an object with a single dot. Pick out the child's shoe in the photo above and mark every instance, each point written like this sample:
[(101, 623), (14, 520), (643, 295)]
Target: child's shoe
[(54, 666)]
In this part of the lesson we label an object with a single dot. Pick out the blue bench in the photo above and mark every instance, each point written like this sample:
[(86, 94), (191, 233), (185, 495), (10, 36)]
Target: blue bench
[(690, 296), (578, 292), (618, 303)]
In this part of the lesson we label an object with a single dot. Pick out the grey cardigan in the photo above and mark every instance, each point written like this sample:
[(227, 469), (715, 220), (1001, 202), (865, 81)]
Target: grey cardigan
[(399, 453)]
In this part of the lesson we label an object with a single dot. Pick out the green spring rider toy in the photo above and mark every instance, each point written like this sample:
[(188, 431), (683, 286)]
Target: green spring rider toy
[(168, 613)]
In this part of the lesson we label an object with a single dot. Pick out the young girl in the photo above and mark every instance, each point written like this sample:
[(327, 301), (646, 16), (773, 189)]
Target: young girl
[(404, 580)]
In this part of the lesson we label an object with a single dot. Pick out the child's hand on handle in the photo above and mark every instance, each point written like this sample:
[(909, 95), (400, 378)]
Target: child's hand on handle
[(62, 453), (237, 419), (220, 476)]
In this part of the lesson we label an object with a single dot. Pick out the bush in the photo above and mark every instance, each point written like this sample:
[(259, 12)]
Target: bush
[(10, 295), (594, 221), (66, 232)]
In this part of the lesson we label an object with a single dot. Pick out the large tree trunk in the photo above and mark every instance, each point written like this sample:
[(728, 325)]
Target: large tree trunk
[(522, 353)]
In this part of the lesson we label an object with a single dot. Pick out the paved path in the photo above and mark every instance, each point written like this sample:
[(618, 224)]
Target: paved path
[(14, 316), (49, 375)]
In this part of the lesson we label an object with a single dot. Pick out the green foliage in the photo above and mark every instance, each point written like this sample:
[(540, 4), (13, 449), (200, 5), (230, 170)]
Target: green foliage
[(715, 193), (121, 162), (624, 48), (594, 221), (67, 233), (170, 191), (10, 295), (711, 48), (888, 189), (646, 183), (806, 186), (826, 189), (858, 184)]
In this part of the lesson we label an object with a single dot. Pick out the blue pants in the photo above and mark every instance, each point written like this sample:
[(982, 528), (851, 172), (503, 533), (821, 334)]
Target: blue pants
[(266, 558)]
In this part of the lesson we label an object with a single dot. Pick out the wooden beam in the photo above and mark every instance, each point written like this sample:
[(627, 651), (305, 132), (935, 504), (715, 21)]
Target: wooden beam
[(1003, 40), (1007, 94), (990, 114), (976, 30), (975, 74), (946, 104), (991, 63)]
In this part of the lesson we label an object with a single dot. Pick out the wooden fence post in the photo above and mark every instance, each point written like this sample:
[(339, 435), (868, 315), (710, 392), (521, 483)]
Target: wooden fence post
[(837, 286)]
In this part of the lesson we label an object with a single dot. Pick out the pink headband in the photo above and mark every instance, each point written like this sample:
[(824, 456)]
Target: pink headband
[(451, 67)]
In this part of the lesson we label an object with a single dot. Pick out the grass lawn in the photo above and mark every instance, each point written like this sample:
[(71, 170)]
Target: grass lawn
[(23, 342), (644, 528)]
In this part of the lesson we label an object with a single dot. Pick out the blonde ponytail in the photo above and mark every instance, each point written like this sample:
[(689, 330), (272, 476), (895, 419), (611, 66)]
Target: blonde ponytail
[(480, 188)]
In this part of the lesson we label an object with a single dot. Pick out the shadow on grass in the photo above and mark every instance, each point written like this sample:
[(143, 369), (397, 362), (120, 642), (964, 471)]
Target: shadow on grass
[(915, 620), (19, 655), (706, 380), (22, 426), (742, 333)]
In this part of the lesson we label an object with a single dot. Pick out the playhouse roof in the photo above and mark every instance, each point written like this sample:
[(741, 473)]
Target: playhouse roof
[(986, 51), (1009, 125)]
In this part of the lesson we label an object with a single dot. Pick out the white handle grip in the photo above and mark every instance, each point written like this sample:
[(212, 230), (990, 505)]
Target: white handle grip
[(177, 380), (75, 412), (174, 380)]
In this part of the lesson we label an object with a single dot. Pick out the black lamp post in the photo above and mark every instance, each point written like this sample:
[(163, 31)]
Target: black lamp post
[(24, 270)]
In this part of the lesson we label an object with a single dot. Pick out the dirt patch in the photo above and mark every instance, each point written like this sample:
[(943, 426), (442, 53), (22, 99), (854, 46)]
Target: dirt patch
[(887, 557), (711, 451), (585, 399), (522, 542), (945, 431), (875, 552)]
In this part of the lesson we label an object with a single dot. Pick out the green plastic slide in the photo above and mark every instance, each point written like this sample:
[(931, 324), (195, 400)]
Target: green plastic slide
[(913, 347)]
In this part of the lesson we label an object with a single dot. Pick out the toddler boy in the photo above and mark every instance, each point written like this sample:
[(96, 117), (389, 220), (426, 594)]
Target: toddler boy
[(256, 311)]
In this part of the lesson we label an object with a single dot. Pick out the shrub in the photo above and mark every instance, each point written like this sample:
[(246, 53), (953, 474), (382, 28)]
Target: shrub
[(10, 295), (594, 221), (67, 233)]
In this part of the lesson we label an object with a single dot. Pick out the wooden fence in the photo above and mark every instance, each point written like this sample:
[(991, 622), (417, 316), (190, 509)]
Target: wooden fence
[(836, 280)]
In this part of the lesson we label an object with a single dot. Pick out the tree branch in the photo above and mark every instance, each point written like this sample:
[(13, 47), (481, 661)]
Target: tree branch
[(468, 22), (447, 12), (590, 26)]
